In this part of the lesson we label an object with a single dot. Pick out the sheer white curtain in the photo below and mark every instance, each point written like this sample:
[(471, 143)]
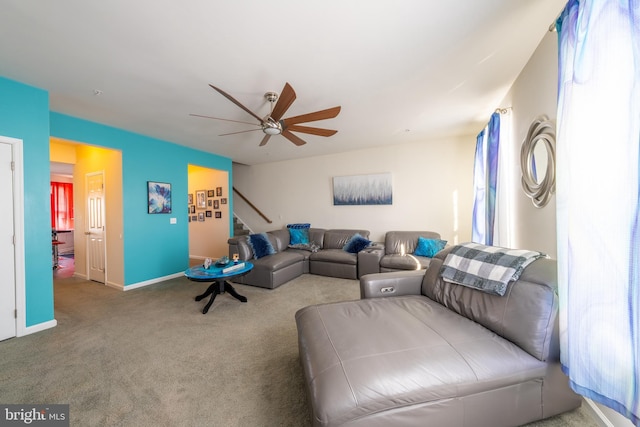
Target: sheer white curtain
[(598, 196)]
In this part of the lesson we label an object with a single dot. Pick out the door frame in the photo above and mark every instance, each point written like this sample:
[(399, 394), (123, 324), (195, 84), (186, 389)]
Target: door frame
[(18, 230)]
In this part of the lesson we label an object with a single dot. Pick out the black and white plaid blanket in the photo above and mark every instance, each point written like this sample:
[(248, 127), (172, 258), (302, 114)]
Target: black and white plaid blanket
[(486, 268)]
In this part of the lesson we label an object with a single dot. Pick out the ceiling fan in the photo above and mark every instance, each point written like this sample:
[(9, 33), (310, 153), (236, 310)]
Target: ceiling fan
[(274, 124)]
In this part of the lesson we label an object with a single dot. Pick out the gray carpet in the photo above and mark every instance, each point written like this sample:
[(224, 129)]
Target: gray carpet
[(149, 357)]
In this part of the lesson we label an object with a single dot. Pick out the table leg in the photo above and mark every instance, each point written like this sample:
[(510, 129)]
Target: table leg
[(233, 293), (208, 292), (215, 289), (215, 292)]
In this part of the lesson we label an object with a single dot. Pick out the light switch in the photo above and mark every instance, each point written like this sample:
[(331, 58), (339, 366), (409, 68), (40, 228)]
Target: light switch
[(173, 221)]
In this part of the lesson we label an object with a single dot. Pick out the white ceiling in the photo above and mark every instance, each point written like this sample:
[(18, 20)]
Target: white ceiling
[(402, 70)]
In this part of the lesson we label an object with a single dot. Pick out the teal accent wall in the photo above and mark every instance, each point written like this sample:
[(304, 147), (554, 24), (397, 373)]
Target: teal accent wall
[(152, 246), (24, 114)]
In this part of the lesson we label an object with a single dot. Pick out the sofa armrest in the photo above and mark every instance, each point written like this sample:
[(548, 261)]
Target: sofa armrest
[(369, 259), (397, 283)]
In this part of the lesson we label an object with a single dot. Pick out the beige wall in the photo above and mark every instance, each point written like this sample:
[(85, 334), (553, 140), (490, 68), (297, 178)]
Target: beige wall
[(533, 93), (208, 239), (432, 190)]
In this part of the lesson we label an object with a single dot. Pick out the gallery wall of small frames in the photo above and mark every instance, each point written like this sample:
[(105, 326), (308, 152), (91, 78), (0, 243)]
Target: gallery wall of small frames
[(205, 204)]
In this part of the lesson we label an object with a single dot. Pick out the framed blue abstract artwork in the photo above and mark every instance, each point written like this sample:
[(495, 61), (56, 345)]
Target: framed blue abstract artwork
[(159, 197), (373, 189)]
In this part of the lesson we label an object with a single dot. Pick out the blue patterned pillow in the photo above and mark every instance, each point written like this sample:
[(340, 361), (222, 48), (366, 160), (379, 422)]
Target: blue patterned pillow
[(429, 247), (356, 243), (298, 234), (260, 245)]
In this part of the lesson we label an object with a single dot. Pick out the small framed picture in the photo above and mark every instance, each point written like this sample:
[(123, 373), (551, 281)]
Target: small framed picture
[(218, 214), (223, 201), (210, 202), (210, 193), (201, 199), (193, 208), (207, 214), (194, 217), (158, 197), (200, 216), (218, 191), (190, 197), (216, 204)]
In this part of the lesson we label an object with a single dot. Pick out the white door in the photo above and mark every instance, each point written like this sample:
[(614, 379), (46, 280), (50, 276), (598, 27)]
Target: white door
[(7, 247), (95, 226)]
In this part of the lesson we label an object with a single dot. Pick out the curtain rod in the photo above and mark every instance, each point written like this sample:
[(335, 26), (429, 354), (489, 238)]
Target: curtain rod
[(503, 110)]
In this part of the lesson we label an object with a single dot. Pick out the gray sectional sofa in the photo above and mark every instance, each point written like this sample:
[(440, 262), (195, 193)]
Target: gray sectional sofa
[(418, 351), (287, 263)]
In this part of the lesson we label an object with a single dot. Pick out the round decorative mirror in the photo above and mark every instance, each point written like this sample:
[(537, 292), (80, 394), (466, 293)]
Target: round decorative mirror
[(538, 161)]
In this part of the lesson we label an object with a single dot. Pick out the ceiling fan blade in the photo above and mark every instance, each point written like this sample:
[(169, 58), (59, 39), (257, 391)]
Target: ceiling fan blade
[(235, 101), (293, 138), (329, 113), (264, 140), (242, 131), (226, 120), (312, 131), (286, 98)]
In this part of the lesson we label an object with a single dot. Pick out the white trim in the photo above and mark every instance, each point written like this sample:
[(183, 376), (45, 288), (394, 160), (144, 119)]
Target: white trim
[(153, 281), (605, 416), (18, 230), (40, 327)]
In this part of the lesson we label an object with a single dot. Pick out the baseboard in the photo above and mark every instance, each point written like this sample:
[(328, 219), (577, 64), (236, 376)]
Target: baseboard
[(152, 281), (602, 419), (38, 328)]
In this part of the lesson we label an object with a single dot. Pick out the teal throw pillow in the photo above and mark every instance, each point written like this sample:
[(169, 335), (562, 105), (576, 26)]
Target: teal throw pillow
[(429, 247), (356, 243), (298, 236), (260, 245), (299, 233)]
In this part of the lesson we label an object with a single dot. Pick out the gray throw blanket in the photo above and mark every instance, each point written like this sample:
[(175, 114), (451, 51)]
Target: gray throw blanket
[(486, 268)]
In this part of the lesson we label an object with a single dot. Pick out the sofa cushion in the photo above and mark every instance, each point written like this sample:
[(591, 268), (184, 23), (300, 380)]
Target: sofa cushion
[(260, 245), (405, 242), (356, 243), (526, 314), (278, 260), (337, 256), (336, 239), (411, 351), (429, 247), (404, 262)]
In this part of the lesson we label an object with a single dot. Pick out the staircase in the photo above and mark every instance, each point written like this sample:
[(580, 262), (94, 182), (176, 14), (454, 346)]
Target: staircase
[(239, 228)]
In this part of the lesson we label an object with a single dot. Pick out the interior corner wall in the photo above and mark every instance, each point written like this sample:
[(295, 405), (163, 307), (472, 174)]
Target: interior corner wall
[(534, 93), (208, 238), (154, 246), (24, 114), (432, 190)]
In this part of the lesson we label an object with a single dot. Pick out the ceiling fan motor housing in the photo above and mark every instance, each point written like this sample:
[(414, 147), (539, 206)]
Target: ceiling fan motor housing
[(271, 127)]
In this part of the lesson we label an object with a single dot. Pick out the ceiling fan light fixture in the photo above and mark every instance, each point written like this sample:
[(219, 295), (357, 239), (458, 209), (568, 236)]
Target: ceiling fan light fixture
[(271, 127), (271, 130)]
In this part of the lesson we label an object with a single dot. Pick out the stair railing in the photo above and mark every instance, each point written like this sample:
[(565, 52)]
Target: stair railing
[(258, 211)]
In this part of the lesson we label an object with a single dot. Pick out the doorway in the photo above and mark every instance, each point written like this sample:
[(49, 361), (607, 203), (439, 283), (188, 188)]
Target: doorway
[(98, 210), (208, 213), (12, 288)]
